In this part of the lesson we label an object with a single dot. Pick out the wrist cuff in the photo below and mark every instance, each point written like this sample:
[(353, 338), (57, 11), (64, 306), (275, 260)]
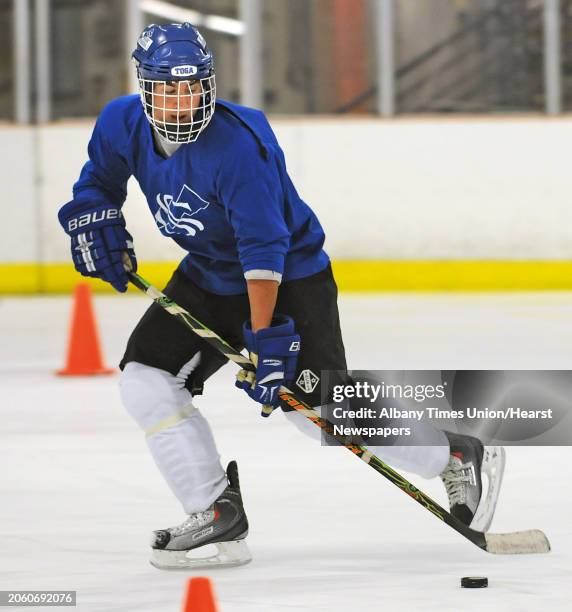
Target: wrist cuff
[(263, 275)]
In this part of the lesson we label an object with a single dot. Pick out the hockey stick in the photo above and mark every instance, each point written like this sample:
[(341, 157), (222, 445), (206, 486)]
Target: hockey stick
[(517, 542)]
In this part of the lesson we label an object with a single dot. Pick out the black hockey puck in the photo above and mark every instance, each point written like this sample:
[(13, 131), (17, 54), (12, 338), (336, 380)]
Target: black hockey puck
[(474, 582)]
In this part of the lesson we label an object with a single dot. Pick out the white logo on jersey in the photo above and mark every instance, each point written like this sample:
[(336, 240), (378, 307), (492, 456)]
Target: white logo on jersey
[(175, 216), (186, 70)]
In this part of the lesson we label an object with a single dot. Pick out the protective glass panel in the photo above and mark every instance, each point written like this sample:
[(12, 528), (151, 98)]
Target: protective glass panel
[(318, 57), (89, 66), (566, 37), (469, 56), (7, 80), (218, 21)]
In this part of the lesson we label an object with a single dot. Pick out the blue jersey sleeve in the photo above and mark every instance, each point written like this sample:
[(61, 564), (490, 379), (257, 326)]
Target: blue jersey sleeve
[(251, 190), (104, 177)]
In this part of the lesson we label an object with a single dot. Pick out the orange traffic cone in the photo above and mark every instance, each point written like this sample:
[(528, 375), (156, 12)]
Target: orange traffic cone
[(84, 354), (199, 597)]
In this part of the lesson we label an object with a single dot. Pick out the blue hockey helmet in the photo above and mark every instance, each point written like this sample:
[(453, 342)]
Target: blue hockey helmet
[(175, 69)]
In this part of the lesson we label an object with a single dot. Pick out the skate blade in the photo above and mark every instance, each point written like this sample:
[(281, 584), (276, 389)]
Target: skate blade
[(225, 554), (494, 460)]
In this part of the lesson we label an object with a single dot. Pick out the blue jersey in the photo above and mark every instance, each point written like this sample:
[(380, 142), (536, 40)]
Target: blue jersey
[(226, 199)]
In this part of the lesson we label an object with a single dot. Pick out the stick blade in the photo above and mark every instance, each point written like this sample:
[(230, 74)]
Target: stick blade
[(528, 542)]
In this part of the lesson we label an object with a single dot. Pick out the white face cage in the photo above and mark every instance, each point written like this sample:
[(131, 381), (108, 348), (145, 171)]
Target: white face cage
[(178, 110)]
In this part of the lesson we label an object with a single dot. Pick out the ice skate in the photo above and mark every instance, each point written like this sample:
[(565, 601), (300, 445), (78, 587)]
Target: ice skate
[(213, 538), (463, 480)]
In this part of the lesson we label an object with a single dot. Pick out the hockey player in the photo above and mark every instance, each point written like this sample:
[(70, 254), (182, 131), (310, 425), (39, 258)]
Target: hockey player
[(255, 272)]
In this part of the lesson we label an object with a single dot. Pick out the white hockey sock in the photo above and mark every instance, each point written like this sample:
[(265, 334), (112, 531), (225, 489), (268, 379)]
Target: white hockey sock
[(178, 436), (427, 461), (425, 452)]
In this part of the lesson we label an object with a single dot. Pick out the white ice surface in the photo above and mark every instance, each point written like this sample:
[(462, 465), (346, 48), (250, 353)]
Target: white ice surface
[(79, 493)]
